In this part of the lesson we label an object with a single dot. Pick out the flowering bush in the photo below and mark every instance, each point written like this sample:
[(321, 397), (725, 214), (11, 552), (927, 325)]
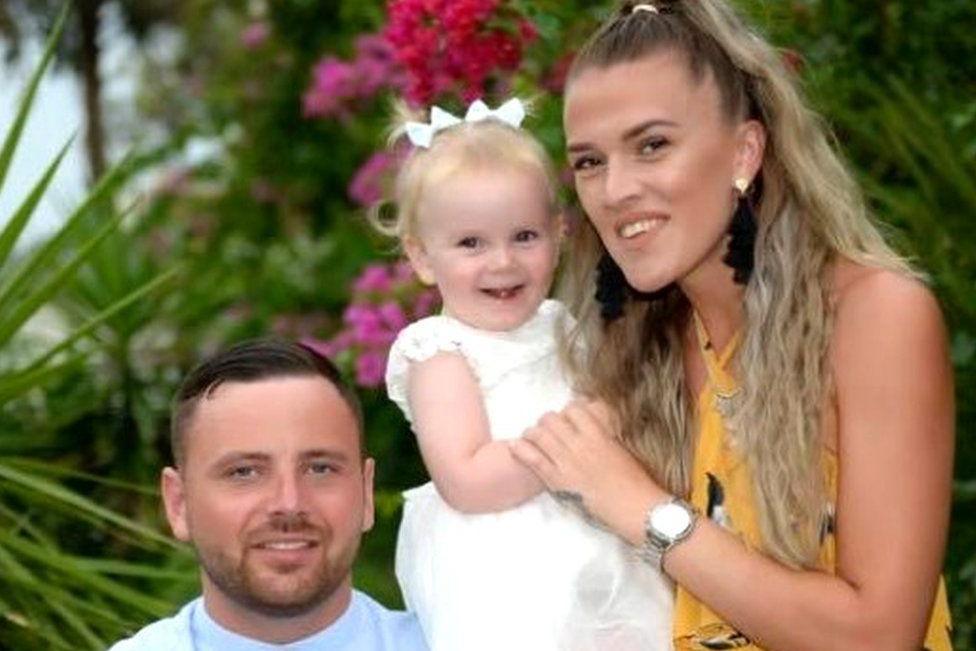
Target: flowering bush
[(385, 298), (369, 183), (448, 45), (339, 86)]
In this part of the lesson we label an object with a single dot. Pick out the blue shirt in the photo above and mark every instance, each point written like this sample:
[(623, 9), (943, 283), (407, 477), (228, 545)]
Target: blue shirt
[(365, 626)]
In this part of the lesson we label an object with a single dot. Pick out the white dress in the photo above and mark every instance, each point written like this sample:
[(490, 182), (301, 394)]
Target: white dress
[(536, 577)]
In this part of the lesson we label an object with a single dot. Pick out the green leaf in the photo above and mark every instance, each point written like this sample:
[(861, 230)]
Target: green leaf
[(57, 492), (16, 129), (13, 320), (12, 231), (47, 254), (92, 323)]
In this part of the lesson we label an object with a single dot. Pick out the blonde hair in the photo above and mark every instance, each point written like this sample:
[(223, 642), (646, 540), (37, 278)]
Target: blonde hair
[(485, 144), (810, 212)]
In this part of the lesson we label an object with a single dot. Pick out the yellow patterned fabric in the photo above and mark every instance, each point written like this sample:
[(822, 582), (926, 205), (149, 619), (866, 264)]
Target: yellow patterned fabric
[(722, 490)]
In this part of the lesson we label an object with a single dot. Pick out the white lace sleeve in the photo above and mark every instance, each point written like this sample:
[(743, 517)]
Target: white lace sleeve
[(417, 342)]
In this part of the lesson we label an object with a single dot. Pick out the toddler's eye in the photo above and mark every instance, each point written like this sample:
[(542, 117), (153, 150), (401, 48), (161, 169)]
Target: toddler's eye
[(526, 236), (470, 242)]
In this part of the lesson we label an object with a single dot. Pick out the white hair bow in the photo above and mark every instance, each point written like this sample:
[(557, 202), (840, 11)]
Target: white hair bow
[(422, 134)]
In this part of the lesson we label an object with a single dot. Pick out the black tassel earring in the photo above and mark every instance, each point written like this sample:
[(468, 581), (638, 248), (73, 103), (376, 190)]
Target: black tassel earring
[(611, 289), (742, 242)]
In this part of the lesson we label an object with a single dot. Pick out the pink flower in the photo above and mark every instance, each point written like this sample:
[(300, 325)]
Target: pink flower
[(337, 85), (332, 82), (403, 272), (367, 185), (425, 303), (367, 325), (374, 278), (371, 368), (254, 35), (393, 316)]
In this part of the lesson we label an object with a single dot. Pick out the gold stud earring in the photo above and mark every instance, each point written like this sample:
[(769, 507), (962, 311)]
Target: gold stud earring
[(741, 184)]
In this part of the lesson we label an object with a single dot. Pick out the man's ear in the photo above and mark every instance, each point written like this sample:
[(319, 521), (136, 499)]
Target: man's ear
[(369, 510), (174, 500), (750, 149), (417, 255)]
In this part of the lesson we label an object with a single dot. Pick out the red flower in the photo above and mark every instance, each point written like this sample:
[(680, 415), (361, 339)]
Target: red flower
[(455, 45)]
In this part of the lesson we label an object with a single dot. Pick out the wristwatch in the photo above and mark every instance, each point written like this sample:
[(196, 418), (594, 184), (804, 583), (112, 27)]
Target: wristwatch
[(665, 526)]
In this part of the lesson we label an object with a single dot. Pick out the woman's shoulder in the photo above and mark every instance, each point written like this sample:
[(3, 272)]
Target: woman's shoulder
[(880, 298), (883, 319)]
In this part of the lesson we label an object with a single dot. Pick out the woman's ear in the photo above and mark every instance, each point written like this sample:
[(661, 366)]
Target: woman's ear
[(417, 255), (750, 148)]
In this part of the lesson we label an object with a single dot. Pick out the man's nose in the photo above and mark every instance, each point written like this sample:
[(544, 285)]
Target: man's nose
[(621, 183), (287, 496)]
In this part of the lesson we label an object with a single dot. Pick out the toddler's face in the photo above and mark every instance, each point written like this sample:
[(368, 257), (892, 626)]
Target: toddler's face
[(489, 241)]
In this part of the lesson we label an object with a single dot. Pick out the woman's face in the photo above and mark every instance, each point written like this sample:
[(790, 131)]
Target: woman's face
[(655, 160)]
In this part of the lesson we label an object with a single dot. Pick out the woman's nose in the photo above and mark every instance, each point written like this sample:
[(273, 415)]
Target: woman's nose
[(620, 184)]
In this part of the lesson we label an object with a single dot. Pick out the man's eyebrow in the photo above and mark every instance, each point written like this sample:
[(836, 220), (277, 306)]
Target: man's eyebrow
[(240, 455), (325, 453), (629, 134)]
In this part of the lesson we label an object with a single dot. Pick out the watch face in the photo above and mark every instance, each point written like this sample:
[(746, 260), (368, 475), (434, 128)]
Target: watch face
[(671, 520)]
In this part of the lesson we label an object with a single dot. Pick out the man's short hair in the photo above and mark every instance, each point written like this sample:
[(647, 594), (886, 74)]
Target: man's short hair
[(252, 361)]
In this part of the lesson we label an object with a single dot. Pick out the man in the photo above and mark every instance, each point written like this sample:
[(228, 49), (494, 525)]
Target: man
[(274, 491)]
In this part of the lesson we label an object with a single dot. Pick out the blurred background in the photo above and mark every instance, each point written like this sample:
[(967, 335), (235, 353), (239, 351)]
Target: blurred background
[(180, 175)]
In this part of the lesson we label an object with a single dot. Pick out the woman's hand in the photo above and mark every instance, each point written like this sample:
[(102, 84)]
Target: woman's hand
[(578, 455)]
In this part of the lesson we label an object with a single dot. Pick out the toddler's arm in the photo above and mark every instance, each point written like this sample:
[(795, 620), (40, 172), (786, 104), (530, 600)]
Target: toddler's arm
[(472, 473)]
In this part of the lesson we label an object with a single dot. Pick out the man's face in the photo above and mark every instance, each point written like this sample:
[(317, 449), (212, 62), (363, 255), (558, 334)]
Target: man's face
[(273, 493)]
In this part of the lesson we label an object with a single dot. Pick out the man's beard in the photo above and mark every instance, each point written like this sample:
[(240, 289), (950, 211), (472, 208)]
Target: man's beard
[(288, 593)]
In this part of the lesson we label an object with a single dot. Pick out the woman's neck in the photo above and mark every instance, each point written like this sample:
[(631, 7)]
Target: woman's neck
[(718, 301)]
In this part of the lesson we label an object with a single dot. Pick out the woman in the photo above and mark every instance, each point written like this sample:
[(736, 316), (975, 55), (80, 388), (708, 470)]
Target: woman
[(754, 344)]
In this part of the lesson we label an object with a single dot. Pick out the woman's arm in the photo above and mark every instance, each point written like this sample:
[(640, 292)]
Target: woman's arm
[(895, 424), (472, 473)]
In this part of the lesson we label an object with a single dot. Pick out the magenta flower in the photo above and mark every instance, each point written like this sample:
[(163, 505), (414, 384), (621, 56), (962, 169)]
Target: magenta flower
[(254, 35), (393, 316), (386, 297), (403, 272), (366, 187), (371, 368), (374, 278), (425, 303), (338, 86), (332, 82)]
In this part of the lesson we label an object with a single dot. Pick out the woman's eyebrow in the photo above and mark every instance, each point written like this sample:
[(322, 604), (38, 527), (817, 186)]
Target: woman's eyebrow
[(629, 134), (637, 130)]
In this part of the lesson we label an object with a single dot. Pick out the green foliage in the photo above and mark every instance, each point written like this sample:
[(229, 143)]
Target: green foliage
[(53, 596)]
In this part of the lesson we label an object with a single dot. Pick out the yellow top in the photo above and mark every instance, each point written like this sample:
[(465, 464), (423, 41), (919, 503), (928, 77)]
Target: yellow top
[(721, 488)]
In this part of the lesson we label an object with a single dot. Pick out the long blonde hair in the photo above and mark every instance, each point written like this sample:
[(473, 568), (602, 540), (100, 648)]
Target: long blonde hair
[(810, 212)]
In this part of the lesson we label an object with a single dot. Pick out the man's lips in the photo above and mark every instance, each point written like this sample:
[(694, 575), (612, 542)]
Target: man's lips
[(286, 544)]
